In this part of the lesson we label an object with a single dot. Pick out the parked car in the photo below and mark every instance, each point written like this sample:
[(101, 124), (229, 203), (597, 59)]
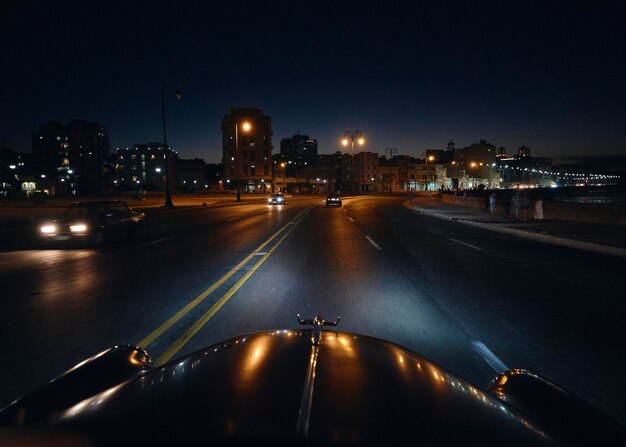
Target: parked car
[(297, 387), (277, 199), (95, 222), (333, 199)]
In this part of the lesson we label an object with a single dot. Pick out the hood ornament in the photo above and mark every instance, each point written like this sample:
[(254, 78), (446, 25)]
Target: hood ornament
[(318, 324)]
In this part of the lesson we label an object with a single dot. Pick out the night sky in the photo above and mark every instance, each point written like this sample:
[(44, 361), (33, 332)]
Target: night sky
[(548, 75)]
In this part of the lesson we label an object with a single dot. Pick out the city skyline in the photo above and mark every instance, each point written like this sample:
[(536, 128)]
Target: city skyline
[(548, 77)]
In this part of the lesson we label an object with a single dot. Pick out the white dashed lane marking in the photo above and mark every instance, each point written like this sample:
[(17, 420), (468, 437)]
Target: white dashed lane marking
[(465, 243), (371, 241)]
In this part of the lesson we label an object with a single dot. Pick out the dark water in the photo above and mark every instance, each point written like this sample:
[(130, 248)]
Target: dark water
[(615, 195)]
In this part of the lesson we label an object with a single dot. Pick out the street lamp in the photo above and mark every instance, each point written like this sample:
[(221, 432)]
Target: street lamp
[(428, 158), (473, 181), (348, 137), (282, 177), (245, 126), (168, 193)]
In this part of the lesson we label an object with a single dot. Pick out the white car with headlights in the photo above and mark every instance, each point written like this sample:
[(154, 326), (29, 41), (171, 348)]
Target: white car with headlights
[(94, 222), (276, 199)]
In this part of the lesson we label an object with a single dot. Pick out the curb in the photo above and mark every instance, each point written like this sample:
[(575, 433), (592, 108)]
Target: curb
[(572, 243)]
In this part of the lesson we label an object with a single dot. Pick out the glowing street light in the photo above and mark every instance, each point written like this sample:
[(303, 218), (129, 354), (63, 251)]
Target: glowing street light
[(428, 158), (245, 126), (349, 136)]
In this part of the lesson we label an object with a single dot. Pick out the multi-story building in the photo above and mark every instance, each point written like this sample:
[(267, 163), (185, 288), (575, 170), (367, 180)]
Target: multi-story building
[(474, 165), (71, 159), (318, 174), (366, 171), (394, 173), (214, 176), (143, 167), (427, 175), (191, 174), (523, 170), (298, 146), (15, 174), (247, 150)]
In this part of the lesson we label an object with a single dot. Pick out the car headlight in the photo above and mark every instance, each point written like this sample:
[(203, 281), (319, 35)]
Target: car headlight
[(78, 228), (48, 229), (269, 200)]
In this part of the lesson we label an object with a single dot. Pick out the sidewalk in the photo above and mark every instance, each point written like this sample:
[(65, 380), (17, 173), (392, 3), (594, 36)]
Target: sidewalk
[(599, 238)]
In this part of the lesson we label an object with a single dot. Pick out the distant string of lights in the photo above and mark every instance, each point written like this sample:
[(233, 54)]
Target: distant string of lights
[(570, 175)]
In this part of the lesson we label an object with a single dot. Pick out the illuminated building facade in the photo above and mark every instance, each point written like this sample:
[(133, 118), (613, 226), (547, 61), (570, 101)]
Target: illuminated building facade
[(71, 159), (247, 150)]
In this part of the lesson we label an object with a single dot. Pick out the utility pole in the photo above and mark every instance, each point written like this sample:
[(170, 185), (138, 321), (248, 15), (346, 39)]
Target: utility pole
[(168, 193)]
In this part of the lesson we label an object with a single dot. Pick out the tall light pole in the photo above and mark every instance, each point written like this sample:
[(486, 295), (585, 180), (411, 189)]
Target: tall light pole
[(390, 151), (246, 126), (168, 194), (431, 158), (283, 173), (350, 136)]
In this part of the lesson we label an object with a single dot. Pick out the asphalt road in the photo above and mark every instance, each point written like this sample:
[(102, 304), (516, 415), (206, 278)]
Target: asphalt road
[(472, 300)]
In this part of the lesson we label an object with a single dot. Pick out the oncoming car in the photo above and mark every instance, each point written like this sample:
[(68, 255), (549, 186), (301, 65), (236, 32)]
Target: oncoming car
[(93, 222), (286, 387), (333, 199), (276, 199)]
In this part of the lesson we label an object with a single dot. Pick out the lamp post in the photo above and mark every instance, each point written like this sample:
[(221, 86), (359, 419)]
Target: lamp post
[(168, 194), (431, 158), (246, 126), (350, 136), (283, 172), (473, 166)]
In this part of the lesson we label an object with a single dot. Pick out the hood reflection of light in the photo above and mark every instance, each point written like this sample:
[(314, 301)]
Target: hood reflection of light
[(91, 402), (255, 355)]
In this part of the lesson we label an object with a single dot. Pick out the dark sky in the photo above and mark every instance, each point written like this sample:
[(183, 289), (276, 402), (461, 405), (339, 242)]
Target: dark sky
[(548, 75)]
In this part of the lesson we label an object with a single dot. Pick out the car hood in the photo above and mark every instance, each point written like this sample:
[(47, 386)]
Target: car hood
[(278, 385)]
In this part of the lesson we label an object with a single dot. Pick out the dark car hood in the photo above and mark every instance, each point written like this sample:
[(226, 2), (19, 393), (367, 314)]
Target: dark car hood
[(278, 386)]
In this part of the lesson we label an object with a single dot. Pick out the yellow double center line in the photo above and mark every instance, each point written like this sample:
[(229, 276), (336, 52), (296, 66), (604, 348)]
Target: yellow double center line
[(193, 329)]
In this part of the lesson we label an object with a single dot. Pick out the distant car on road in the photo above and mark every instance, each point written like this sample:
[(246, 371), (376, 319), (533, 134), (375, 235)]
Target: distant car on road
[(276, 199), (95, 222), (333, 199)]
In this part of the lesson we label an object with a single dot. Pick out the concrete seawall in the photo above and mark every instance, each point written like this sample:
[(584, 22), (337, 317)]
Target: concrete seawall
[(552, 210)]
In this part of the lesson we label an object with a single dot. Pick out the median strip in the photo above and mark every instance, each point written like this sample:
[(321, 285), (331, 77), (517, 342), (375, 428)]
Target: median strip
[(195, 328), (196, 301)]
